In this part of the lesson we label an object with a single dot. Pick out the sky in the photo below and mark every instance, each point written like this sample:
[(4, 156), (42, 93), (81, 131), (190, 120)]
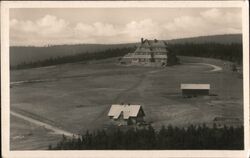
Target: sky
[(53, 26)]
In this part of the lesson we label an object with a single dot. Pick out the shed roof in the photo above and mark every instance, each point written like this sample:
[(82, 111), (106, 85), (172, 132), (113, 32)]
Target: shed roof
[(127, 110), (195, 86)]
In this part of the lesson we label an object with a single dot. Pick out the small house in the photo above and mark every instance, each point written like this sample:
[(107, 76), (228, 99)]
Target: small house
[(126, 114), (193, 90)]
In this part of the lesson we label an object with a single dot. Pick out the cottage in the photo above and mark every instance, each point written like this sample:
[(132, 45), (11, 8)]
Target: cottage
[(126, 114), (192, 90), (151, 52)]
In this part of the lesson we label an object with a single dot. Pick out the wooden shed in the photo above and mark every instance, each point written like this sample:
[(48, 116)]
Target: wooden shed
[(193, 90)]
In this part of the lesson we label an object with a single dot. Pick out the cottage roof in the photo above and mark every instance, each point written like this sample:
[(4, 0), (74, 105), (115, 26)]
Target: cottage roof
[(195, 86), (127, 111)]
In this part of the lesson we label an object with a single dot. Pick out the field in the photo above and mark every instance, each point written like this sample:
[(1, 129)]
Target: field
[(76, 97)]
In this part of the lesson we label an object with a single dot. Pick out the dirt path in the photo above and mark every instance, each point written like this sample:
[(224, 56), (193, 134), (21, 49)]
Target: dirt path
[(45, 125), (32, 81), (215, 67), (54, 79)]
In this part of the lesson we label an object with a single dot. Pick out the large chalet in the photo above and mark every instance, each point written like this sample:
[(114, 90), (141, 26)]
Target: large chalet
[(151, 53)]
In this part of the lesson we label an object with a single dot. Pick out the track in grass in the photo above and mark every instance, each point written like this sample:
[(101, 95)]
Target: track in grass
[(45, 125)]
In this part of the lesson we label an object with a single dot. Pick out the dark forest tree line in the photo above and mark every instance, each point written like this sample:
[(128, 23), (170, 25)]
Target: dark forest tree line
[(192, 137), (76, 58), (230, 52)]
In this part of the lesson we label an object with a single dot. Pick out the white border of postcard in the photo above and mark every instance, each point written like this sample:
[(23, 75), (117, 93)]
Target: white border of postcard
[(5, 91)]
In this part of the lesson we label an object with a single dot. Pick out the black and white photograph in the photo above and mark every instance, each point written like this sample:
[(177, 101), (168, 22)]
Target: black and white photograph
[(126, 78)]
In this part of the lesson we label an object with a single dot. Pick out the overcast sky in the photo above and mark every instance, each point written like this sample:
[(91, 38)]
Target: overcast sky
[(106, 25)]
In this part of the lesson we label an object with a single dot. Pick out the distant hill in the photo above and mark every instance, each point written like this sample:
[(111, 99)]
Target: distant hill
[(222, 39), (21, 54)]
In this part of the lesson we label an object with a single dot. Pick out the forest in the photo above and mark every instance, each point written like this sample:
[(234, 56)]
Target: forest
[(81, 57), (167, 138), (230, 52)]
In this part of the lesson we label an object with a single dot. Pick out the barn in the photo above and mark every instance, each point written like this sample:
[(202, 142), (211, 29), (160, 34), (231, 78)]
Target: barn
[(151, 52), (193, 90), (126, 114)]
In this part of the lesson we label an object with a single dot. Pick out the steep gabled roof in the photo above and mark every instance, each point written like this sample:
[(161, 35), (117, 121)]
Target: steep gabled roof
[(157, 43), (145, 44), (142, 50), (148, 46), (195, 86), (127, 110)]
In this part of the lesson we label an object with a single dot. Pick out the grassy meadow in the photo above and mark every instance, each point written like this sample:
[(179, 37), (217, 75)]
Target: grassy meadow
[(77, 96)]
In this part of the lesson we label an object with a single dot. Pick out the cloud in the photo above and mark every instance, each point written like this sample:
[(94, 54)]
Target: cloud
[(222, 19), (186, 26), (208, 22), (96, 29), (146, 28), (50, 29), (132, 30), (51, 25), (42, 31), (185, 23), (23, 26), (211, 13), (48, 25)]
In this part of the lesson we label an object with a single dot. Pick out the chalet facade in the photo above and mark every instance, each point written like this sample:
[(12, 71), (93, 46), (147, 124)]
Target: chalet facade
[(193, 90), (151, 52), (126, 114)]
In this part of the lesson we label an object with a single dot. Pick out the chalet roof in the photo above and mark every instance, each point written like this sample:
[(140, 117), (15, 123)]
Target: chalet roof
[(156, 43), (127, 110), (195, 86), (159, 49), (152, 46), (143, 49), (142, 56)]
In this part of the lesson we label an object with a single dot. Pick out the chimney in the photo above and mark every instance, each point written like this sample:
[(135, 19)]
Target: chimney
[(142, 40)]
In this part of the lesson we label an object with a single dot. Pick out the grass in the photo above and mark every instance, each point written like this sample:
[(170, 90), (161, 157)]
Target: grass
[(81, 97), (26, 136)]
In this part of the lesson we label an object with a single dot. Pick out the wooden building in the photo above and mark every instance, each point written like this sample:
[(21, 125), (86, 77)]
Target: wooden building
[(151, 52), (127, 114), (193, 90)]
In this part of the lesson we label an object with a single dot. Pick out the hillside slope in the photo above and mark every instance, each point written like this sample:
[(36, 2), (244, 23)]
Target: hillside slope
[(21, 54), (222, 39)]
